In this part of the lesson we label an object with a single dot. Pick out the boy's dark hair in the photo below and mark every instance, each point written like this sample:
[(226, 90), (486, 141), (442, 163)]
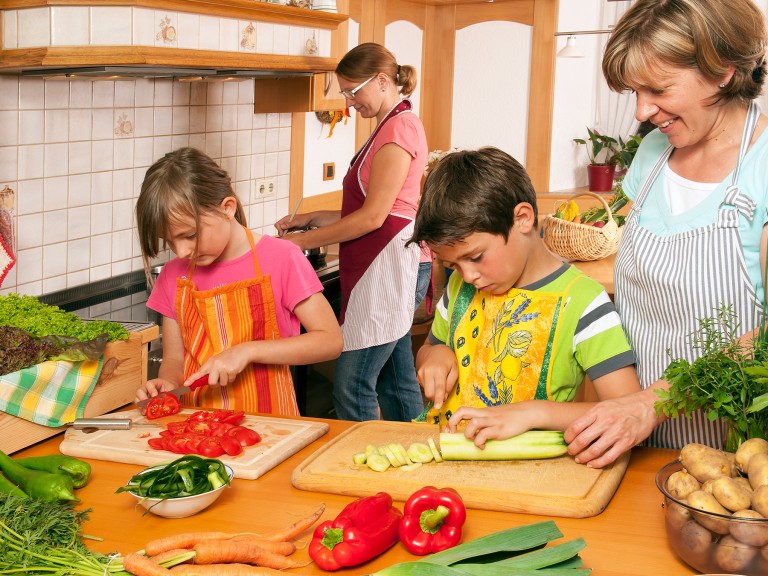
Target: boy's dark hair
[(472, 191)]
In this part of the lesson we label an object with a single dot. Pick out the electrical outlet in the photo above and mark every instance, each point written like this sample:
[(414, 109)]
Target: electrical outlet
[(264, 187)]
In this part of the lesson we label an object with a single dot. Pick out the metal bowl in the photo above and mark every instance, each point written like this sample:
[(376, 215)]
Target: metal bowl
[(709, 542)]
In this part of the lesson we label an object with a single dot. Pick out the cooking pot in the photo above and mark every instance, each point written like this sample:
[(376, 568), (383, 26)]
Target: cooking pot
[(316, 256)]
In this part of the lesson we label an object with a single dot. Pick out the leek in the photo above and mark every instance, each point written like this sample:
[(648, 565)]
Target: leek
[(534, 444)]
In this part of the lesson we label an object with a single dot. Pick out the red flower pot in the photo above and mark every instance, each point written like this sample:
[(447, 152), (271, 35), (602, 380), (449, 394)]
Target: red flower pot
[(600, 177)]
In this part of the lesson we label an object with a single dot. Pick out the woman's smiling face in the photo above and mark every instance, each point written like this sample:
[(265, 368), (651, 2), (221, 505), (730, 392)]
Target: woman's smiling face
[(679, 102)]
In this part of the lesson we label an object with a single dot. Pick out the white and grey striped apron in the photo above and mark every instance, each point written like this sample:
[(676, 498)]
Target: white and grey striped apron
[(666, 284)]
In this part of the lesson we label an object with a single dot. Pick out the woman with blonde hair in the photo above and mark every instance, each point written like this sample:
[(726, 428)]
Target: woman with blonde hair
[(382, 280), (695, 239)]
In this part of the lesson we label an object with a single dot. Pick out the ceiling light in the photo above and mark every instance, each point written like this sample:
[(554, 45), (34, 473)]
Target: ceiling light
[(570, 50)]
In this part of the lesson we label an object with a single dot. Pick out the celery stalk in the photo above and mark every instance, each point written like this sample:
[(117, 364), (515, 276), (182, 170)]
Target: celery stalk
[(534, 444)]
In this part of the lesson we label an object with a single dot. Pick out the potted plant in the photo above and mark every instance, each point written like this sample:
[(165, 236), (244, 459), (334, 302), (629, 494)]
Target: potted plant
[(602, 151), (623, 157)]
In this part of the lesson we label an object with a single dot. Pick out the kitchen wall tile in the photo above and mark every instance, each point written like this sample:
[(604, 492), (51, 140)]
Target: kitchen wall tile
[(198, 93), (270, 216), (31, 127), (77, 278), (30, 162), (196, 119), (213, 144), (78, 224), (101, 187), (69, 26), (284, 138), (180, 120), (166, 28), (230, 92), (102, 125), (243, 192), (257, 165), (79, 190), (123, 267), (179, 141), (162, 145), (258, 141), (273, 120), (243, 172), (122, 187), (283, 185), (34, 27), (228, 163), (189, 30), (125, 94), (123, 154), (56, 126), (265, 35), (245, 116), (80, 95), (197, 141), (78, 253), (281, 40), (9, 163), (55, 193), (180, 93), (272, 139), (56, 159), (213, 118), (143, 33), (101, 247), (297, 40), (229, 118), (270, 164), (209, 33), (122, 215), (163, 121), (281, 209), (102, 154), (215, 93), (142, 152), (31, 93), (30, 266), (144, 92), (256, 216), (101, 229), (284, 162), (29, 196), (245, 92), (284, 119), (9, 93), (228, 144), (54, 226), (103, 94), (163, 93), (324, 43), (138, 178), (144, 122), (80, 125), (244, 143), (101, 272), (54, 283), (259, 121), (247, 36), (111, 26), (10, 35), (121, 245), (229, 35), (56, 94), (30, 231), (123, 123), (9, 120)]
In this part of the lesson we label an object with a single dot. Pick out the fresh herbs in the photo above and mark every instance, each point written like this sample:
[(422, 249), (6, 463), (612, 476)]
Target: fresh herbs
[(728, 381)]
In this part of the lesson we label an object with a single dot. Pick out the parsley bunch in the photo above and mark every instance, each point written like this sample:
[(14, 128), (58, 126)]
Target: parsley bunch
[(728, 381)]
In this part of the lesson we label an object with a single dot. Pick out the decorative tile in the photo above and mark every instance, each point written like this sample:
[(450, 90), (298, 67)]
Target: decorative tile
[(111, 26), (69, 26), (247, 36), (165, 29), (124, 124), (33, 27)]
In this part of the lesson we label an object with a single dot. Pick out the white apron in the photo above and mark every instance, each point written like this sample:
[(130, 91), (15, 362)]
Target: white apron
[(665, 284)]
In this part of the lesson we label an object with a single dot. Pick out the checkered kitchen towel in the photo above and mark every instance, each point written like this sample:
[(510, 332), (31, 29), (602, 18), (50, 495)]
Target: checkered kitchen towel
[(51, 393)]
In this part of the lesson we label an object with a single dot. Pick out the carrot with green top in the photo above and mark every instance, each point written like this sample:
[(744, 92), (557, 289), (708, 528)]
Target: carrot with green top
[(139, 565), (295, 529), (183, 540), (227, 552)]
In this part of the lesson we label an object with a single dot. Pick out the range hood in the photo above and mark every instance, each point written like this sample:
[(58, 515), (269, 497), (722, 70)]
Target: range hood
[(178, 73)]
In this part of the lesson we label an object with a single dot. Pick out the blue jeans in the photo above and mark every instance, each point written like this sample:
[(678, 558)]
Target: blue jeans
[(381, 378)]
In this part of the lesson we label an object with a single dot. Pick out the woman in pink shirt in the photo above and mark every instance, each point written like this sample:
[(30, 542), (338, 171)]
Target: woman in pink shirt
[(375, 373)]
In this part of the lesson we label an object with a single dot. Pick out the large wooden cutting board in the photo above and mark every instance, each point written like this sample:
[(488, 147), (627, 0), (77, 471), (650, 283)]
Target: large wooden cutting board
[(280, 439), (553, 487)]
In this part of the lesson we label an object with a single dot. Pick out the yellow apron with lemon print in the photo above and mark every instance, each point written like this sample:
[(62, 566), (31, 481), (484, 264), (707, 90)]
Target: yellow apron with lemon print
[(504, 347)]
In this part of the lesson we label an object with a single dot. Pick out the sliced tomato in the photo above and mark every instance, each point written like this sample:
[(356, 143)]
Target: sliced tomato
[(177, 444), (219, 429), (163, 404), (231, 446), (210, 448), (199, 416), (157, 443), (193, 442), (176, 427), (200, 427), (245, 436), (228, 416)]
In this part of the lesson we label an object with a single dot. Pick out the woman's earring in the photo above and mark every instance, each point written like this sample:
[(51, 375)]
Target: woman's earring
[(722, 85)]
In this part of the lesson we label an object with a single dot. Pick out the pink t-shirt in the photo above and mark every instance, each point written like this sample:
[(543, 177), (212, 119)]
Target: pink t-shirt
[(407, 131), (292, 276)]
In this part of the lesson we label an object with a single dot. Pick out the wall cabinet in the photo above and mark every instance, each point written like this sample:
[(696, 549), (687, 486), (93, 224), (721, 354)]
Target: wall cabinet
[(298, 94)]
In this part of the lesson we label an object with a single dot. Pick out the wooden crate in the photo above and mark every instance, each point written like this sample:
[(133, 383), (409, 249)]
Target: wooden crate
[(124, 370)]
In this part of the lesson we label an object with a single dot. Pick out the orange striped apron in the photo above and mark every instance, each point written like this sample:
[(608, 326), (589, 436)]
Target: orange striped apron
[(213, 320)]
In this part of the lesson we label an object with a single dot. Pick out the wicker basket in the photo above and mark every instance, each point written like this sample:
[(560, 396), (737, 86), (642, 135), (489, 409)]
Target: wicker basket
[(579, 241)]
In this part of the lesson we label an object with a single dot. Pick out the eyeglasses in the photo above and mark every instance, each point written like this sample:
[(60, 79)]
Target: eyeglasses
[(350, 94)]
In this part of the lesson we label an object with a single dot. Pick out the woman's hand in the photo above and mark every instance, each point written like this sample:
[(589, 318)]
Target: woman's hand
[(612, 427), (436, 371), (288, 224)]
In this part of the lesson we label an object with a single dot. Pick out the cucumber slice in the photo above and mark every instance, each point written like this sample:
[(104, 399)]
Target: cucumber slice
[(377, 462), (401, 454), (435, 451), (412, 466), (393, 460), (371, 449), (420, 452), (359, 458)]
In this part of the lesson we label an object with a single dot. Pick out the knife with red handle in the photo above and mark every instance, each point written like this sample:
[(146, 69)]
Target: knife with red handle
[(179, 391)]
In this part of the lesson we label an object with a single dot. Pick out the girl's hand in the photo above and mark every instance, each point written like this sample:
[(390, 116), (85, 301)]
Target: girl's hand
[(496, 423), (152, 388), (224, 367), (437, 372)]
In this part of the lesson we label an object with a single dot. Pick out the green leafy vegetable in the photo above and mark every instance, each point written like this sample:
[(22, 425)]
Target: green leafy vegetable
[(19, 349), (728, 381)]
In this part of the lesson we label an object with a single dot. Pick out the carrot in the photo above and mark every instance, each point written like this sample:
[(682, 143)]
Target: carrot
[(142, 566), (173, 553), (296, 528), (227, 551), (184, 540), (284, 548), (225, 570)]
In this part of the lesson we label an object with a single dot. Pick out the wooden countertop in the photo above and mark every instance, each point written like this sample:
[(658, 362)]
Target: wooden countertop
[(627, 539)]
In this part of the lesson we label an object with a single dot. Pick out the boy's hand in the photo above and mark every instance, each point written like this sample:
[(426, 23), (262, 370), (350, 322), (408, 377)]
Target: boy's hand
[(495, 423), (437, 372)]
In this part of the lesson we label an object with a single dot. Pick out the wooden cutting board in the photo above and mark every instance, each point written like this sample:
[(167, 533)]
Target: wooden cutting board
[(552, 487), (280, 439)]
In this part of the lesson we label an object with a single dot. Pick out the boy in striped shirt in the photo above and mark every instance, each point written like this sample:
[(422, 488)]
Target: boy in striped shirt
[(516, 330)]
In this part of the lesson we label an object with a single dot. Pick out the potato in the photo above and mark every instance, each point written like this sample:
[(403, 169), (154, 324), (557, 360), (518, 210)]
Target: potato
[(733, 556), (752, 533), (743, 481), (730, 495), (700, 500), (758, 470), (703, 462), (748, 449), (709, 485), (760, 500), (733, 468), (696, 538), (676, 515), (680, 484)]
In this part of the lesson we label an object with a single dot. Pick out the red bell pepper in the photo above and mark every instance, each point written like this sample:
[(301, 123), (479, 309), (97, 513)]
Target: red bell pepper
[(361, 531), (432, 520)]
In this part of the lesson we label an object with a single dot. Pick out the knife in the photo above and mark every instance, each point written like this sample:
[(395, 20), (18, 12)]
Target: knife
[(91, 424), (179, 391)]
